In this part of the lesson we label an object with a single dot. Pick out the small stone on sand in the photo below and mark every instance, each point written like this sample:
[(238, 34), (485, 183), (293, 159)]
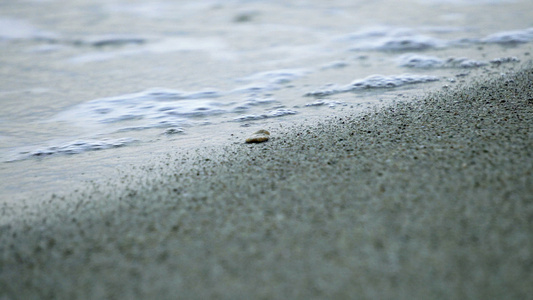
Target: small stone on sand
[(258, 137)]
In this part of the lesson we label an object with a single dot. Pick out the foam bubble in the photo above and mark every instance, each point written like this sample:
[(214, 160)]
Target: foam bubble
[(324, 102), (402, 39), (463, 62), (426, 62), (419, 61), (268, 81), (329, 89), (75, 147), (151, 108), (271, 114), (510, 37), (408, 43), (374, 82), (392, 39), (380, 81), (275, 76), (504, 60)]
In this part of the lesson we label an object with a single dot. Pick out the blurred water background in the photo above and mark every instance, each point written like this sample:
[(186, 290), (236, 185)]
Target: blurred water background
[(89, 85)]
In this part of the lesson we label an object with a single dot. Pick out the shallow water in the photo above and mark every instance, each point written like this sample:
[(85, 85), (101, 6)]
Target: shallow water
[(87, 86)]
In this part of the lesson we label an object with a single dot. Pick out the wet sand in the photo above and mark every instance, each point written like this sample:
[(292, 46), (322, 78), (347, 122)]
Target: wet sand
[(427, 199)]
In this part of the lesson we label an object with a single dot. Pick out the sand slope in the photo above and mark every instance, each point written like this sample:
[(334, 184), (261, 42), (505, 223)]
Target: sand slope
[(431, 199)]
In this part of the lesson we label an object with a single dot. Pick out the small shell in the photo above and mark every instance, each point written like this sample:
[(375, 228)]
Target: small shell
[(258, 137)]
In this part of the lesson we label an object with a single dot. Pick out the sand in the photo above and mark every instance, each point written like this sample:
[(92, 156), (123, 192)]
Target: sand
[(426, 199)]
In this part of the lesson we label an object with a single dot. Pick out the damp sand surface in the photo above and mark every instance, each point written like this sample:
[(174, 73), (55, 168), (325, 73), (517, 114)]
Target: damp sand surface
[(426, 199)]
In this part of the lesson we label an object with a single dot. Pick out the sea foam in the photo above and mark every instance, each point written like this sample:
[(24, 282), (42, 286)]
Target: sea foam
[(373, 82)]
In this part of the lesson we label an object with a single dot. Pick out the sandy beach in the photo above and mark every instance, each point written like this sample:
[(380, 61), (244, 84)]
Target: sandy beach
[(426, 199)]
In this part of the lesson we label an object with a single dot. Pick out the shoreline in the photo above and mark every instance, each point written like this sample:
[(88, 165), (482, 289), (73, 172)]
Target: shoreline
[(38, 177), (429, 198)]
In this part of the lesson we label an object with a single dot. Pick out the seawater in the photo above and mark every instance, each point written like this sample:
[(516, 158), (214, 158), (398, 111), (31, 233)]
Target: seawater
[(90, 85)]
